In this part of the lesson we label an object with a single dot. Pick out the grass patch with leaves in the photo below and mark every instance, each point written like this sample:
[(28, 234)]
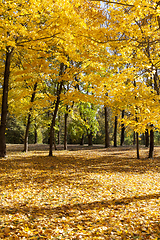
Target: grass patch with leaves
[(91, 193)]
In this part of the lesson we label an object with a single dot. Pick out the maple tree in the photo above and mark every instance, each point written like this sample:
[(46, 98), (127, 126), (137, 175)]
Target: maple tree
[(106, 50), (115, 131), (111, 61), (25, 26), (134, 36), (18, 31)]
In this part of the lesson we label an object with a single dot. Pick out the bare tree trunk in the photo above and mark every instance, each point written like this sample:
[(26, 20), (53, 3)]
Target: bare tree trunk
[(82, 140), (137, 142), (122, 130), (115, 131), (151, 147), (54, 140), (65, 128), (90, 139), (143, 139), (51, 135), (29, 120), (146, 138), (58, 137), (156, 88), (59, 90), (156, 80), (54, 119), (137, 145), (35, 134), (134, 138), (106, 127), (58, 134), (5, 103), (26, 133)]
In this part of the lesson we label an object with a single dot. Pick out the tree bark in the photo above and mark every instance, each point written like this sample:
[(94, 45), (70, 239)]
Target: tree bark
[(142, 139), (58, 134), (5, 103), (156, 85), (54, 140), (122, 130), (106, 127), (29, 120), (26, 134), (35, 134), (58, 137), (90, 139), (82, 140), (54, 120), (156, 88), (137, 145), (59, 90), (115, 131), (151, 147), (146, 138), (134, 138), (65, 128)]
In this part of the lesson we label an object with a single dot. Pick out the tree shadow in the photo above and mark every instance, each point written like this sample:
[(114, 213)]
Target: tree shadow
[(67, 208), (73, 169), (73, 165)]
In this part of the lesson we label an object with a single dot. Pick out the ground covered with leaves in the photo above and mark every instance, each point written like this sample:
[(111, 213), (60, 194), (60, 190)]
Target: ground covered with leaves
[(82, 193)]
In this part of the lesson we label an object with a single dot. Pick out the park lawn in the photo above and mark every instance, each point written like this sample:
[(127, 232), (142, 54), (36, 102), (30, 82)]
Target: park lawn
[(82, 193)]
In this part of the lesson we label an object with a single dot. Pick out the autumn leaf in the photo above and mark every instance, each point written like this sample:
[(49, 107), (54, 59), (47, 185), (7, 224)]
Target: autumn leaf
[(82, 194)]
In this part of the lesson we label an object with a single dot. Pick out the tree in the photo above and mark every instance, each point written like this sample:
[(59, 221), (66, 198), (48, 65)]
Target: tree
[(135, 36), (29, 119), (39, 30), (59, 91), (4, 102), (146, 138), (122, 129), (115, 131), (106, 127), (65, 128), (19, 31)]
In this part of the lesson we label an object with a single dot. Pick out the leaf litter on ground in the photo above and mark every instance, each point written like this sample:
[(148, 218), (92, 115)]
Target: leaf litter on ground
[(89, 193)]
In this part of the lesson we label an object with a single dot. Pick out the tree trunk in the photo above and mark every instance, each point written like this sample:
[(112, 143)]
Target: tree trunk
[(29, 120), (137, 145), (115, 131), (58, 134), (90, 138), (54, 140), (106, 127), (143, 139), (151, 147), (54, 119), (5, 103), (26, 133), (82, 140), (58, 137), (156, 80), (156, 88), (59, 90), (65, 128), (146, 138), (122, 130), (35, 134), (134, 138)]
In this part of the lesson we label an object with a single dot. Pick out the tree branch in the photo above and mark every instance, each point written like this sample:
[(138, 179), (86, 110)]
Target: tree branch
[(123, 4)]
